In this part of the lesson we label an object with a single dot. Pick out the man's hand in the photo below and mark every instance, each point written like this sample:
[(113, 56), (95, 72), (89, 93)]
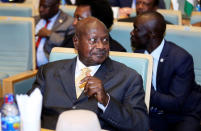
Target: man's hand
[(44, 32), (94, 88), (125, 12)]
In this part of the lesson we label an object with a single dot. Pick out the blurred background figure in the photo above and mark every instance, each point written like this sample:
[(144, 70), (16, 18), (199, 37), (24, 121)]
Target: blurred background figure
[(100, 9), (51, 26), (143, 6), (126, 6)]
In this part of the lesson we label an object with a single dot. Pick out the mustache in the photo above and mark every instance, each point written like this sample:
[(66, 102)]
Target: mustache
[(100, 52)]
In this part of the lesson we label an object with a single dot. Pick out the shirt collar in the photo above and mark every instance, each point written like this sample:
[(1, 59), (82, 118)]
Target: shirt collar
[(54, 17), (80, 65), (156, 53)]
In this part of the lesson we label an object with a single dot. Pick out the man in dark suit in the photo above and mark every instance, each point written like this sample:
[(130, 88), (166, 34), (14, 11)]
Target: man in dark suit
[(112, 90), (100, 9), (51, 27), (175, 98)]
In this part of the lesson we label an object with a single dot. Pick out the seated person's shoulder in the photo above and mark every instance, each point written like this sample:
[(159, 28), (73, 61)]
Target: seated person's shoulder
[(55, 65), (178, 52)]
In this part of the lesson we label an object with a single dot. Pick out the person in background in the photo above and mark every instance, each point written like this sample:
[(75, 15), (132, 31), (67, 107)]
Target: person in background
[(126, 6), (110, 89), (51, 27), (99, 9), (175, 103), (143, 6)]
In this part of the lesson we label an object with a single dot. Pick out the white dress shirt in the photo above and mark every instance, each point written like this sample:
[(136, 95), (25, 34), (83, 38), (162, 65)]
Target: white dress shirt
[(40, 54), (79, 67), (133, 4), (156, 55)]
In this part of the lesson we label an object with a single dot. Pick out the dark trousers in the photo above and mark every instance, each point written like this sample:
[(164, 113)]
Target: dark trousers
[(161, 123)]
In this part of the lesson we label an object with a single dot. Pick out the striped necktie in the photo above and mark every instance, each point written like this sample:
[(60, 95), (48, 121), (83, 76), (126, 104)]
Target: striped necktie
[(39, 38)]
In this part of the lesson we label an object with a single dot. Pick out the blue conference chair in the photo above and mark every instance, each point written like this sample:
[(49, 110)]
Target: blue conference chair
[(195, 17), (140, 62), (120, 31), (188, 38), (172, 16), (17, 10), (17, 52), (69, 9)]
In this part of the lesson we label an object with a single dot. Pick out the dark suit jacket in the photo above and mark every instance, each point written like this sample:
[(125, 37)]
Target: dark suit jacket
[(62, 26), (126, 110), (177, 92), (114, 45), (128, 3)]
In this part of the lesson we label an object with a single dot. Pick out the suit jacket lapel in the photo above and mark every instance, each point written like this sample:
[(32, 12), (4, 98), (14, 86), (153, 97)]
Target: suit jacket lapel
[(162, 61), (105, 71), (61, 18), (67, 76)]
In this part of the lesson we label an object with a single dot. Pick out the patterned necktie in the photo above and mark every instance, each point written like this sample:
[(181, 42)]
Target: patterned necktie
[(80, 87), (39, 38)]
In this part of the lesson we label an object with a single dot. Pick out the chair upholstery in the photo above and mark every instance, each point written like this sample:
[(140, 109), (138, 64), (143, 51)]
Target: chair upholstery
[(167, 4), (17, 52), (20, 10), (69, 9), (78, 120), (195, 17), (172, 16), (188, 38), (120, 31), (140, 62)]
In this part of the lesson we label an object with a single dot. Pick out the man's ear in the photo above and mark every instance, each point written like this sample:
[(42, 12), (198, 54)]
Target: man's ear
[(75, 41)]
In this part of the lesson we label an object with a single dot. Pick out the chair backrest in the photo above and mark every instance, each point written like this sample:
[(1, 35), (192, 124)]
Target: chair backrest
[(19, 10), (172, 16), (167, 4), (78, 120), (17, 52), (140, 62), (195, 17), (188, 38), (120, 31), (69, 9)]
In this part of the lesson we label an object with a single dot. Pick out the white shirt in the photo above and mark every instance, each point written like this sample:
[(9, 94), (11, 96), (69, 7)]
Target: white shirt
[(40, 54), (63, 2), (156, 55), (79, 67), (133, 4), (72, 1)]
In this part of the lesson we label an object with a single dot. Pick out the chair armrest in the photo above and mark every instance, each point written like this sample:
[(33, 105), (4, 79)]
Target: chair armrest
[(10, 81)]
